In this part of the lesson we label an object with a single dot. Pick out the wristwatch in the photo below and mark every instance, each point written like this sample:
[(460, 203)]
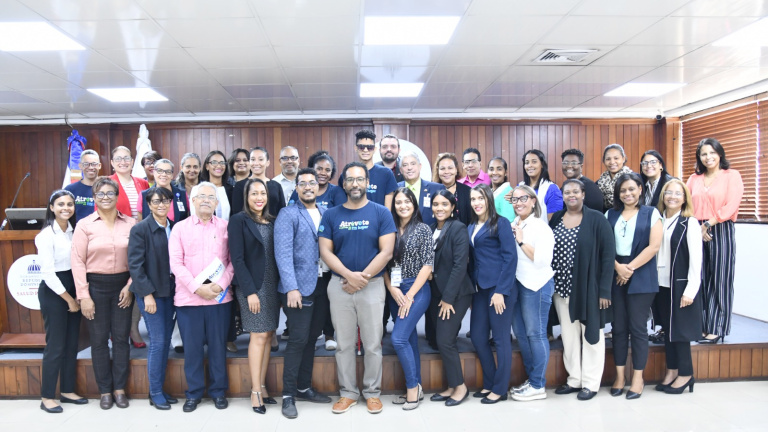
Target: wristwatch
[(707, 224), (520, 244)]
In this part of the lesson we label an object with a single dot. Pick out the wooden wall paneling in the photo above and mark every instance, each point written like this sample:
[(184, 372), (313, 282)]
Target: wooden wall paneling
[(757, 363)]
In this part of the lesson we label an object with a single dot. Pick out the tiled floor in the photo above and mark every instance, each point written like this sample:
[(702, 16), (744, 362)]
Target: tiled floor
[(712, 407)]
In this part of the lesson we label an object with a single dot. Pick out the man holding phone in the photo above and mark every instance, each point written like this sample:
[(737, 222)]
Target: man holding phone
[(303, 290)]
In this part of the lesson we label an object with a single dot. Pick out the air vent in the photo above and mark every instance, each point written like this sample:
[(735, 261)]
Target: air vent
[(564, 56)]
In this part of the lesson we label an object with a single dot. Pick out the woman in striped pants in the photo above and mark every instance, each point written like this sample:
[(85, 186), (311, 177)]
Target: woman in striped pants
[(716, 192)]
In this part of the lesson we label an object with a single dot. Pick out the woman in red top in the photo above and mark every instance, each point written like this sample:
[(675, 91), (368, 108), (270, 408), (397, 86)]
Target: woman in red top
[(716, 193)]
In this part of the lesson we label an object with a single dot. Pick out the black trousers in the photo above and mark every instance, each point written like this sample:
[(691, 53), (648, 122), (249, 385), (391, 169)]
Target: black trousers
[(322, 302), (61, 336), (306, 325), (233, 317), (678, 353), (446, 333), (630, 315), (430, 318), (110, 320)]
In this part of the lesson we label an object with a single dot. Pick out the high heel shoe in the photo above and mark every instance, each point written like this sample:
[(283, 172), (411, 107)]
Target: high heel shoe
[(137, 344), (712, 341), (617, 391), (269, 400), (261, 409), (661, 387), (680, 390), (633, 395)]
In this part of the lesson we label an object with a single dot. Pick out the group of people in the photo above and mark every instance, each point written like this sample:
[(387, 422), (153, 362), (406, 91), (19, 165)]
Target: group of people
[(223, 241)]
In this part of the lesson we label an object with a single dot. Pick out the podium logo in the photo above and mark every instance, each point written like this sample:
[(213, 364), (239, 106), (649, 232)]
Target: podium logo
[(24, 278)]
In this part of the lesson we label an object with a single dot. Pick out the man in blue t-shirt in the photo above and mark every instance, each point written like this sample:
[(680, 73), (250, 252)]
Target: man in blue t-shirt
[(381, 181), (90, 163), (356, 241)]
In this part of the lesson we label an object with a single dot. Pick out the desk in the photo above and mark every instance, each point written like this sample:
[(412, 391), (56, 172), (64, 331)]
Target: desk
[(19, 327)]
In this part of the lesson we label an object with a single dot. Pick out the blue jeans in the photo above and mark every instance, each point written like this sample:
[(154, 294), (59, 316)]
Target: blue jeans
[(530, 325), (404, 337), (159, 326)]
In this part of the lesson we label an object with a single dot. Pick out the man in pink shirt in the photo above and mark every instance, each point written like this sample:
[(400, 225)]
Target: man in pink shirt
[(473, 169), (202, 296)]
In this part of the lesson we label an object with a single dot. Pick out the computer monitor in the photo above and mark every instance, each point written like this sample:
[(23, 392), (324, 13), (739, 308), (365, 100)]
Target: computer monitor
[(25, 218)]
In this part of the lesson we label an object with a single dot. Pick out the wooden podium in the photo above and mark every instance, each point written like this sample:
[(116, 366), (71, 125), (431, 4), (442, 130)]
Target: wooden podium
[(19, 327)]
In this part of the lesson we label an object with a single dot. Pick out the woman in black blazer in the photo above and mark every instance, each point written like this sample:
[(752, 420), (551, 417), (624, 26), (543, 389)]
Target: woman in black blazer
[(154, 287), (259, 163), (163, 178), (447, 172), (251, 248), (452, 292)]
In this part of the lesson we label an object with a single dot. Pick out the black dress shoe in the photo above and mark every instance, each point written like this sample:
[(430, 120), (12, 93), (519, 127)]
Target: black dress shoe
[(480, 394), (191, 405), (81, 401), (270, 401), (487, 401), (566, 389), (617, 391), (660, 387), (106, 401), (289, 408), (585, 394), (310, 395), (632, 395), (437, 397), (170, 399), (712, 341), (220, 402), (680, 390), (54, 410), (453, 402), (179, 349), (162, 406)]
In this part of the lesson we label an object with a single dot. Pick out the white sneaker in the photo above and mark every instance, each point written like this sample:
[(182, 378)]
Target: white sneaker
[(330, 345), (521, 387), (530, 394)]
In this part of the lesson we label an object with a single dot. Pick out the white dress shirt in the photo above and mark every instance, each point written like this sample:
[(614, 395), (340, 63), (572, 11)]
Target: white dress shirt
[(535, 273), (53, 250), (695, 254)]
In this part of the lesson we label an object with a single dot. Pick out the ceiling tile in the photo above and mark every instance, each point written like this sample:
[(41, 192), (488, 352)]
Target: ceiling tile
[(712, 56), (522, 88), (345, 55), (421, 7), (33, 81), (57, 95), (678, 74), (183, 93), (325, 8), (13, 11), (270, 104), (480, 74), (612, 102), (107, 79), (234, 58), (186, 9), (302, 31), (396, 56), (385, 103), (321, 75), (151, 59), (458, 90), (9, 62), (222, 32), (703, 8), (538, 73), (608, 75), (521, 7), (68, 62), (643, 55), (248, 76), (170, 78), (33, 109), (12, 97), (689, 31), (394, 75), (328, 103), (478, 30), (155, 107), (656, 8), (596, 30), (198, 105), (259, 91), (567, 88), (122, 34), (502, 101), (484, 54), (325, 91), (86, 10), (444, 102), (557, 102)]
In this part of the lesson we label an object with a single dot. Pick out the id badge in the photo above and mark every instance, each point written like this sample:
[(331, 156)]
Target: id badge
[(427, 201), (180, 205), (396, 276)]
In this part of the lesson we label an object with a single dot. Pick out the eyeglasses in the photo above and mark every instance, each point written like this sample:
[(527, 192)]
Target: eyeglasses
[(523, 199), (149, 162), (90, 164), (102, 195), (305, 184), (156, 202), (471, 162), (652, 162), (218, 163), (367, 147), (352, 180), (677, 194), (206, 197), (571, 164), (289, 158), (122, 159), (162, 171)]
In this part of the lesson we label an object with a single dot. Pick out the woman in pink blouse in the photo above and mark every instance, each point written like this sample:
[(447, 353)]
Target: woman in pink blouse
[(716, 193), (100, 269)]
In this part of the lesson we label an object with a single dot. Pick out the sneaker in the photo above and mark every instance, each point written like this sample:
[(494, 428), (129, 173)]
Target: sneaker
[(330, 345), (521, 387), (343, 405), (374, 405), (530, 394)]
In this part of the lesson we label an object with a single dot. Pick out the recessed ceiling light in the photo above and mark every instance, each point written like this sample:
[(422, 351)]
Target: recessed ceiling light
[(644, 89), (34, 36), (391, 90), (755, 34), (409, 30), (141, 94)]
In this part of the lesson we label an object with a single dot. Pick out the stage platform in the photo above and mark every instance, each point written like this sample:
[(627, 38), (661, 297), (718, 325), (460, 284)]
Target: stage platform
[(743, 356)]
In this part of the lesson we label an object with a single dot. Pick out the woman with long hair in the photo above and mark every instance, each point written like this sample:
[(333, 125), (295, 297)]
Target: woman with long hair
[(536, 175), (251, 246), (214, 170), (716, 191), (57, 303), (498, 173), (448, 172), (409, 270), (259, 163), (238, 166)]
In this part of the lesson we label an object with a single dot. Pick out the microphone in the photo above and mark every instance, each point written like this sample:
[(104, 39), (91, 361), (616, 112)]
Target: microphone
[(13, 203)]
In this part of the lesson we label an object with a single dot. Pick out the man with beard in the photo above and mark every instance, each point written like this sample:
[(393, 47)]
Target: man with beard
[(389, 149), (90, 164), (573, 166), (356, 240), (289, 163), (381, 182)]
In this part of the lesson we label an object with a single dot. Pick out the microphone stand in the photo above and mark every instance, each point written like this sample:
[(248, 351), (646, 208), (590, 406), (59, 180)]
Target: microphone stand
[(13, 203)]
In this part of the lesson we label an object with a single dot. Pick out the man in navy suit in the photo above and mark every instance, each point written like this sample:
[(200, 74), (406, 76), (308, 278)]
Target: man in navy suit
[(424, 190), (303, 287)]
